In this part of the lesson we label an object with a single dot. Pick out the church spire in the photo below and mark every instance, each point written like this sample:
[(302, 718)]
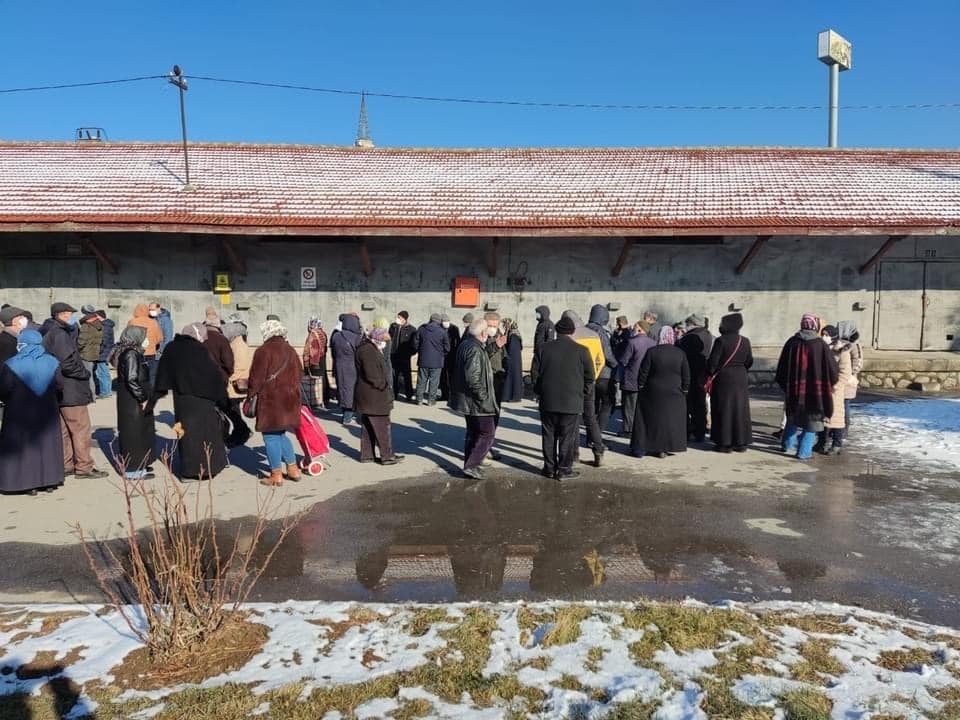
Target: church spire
[(363, 128)]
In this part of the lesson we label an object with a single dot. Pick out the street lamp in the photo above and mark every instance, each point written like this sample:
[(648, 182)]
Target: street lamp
[(836, 52)]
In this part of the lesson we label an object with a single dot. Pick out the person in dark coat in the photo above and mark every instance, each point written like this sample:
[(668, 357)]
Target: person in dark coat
[(199, 391), (546, 330), (89, 341), (449, 363), (697, 344), (219, 347), (604, 395), (374, 400), (660, 428), (806, 372), (31, 444), (432, 345), (731, 358), (315, 356), (401, 353), (632, 350), (474, 396), (513, 363), (14, 321), (344, 347), (275, 381), (135, 422), (102, 368), (60, 340), (562, 374)]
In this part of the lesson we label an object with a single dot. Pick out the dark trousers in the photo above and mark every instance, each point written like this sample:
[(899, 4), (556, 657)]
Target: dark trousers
[(603, 400), (697, 411), (629, 409), (375, 433), (594, 436), (481, 430), (152, 363), (560, 434), (402, 377)]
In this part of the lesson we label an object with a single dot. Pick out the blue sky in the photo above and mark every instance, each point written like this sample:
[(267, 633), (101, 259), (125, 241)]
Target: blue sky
[(706, 52)]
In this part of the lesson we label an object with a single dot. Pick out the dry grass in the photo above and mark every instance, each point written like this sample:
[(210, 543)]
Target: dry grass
[(423, 619), (635, 710), (904, 660), (356, 617), (18, 619), (412, 709), (594, 658), (826, 624), (540, 663), (568, 682), (817, 662), (718, 702), (741, 660), (566, 626), (806, 704)]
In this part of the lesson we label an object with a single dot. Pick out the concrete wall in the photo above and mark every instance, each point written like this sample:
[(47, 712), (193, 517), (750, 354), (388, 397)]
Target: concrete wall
[(790, 276)]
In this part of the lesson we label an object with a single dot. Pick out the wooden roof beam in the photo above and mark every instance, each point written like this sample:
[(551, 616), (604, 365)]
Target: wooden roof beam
[(622, 260), (238, 265), (751, 253), (492, 257), (884, 249), (365, 261), (105, 262)]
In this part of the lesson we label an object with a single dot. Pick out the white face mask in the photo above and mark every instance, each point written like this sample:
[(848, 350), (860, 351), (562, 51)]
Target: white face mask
[(153, 313), (22, 322), (445, 324), (145, 344)]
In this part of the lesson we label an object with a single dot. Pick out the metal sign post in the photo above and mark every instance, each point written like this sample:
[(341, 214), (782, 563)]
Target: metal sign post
[(176, 78), (836, 52)]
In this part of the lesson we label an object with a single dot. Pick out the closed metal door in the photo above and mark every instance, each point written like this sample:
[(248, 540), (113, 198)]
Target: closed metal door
[(941, 304), (900, 311), (35, 283)]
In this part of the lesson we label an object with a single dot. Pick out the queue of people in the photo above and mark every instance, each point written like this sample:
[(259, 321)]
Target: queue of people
[(665, 378)]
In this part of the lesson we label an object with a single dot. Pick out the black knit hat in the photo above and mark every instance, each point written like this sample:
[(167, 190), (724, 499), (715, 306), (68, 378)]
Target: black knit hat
[(565, 326)]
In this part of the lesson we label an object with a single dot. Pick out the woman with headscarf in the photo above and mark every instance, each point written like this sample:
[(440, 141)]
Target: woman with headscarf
[(835, 424), (135, 424), (513, 363), (235, 331), (344, 346), (730, 359), (806, 373), (660, 423), (374, 401), (31, 446), (199, 396), (275, 382), (315, 356), (380, 323)]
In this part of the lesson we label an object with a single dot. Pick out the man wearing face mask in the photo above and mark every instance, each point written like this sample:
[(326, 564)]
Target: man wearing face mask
[(142, 318), (496, 347), (14, 320), (164, 320), (401, 353), (60, 341)]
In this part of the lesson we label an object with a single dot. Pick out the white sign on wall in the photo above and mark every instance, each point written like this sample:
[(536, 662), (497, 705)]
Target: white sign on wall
[(308, 278)]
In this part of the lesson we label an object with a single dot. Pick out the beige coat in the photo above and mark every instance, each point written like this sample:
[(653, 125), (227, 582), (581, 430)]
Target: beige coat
[(844, 384), (242, 359)]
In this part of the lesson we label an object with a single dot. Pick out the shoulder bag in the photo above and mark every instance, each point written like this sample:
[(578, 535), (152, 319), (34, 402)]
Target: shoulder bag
[(708, 385), (250, 404)]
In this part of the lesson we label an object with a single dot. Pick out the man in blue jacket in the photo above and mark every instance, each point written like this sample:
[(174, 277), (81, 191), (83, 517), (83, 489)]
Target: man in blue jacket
[(102, 366), (165, 321), (432, 343)]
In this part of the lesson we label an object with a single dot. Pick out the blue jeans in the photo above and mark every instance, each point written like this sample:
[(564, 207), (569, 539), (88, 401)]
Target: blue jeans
[(104, 383), (279, 449), (428, 383)]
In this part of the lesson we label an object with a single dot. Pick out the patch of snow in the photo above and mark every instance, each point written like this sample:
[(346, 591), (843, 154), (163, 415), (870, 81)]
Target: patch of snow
[(682, 705), (926, 429)]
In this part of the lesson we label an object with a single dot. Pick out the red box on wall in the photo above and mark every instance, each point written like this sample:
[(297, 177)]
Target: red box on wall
[(466, 292)]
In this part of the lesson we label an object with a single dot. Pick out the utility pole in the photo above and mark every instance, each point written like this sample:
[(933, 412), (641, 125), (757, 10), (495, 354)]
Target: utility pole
[(836, 52), (177, 78)]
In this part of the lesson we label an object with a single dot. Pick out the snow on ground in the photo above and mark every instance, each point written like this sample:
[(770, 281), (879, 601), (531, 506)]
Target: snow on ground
[(585, 677), (925, 429)]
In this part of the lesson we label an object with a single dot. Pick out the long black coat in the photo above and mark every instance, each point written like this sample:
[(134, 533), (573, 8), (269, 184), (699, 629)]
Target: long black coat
[(562, 374), (198, 389), (343, 345), (807, 372), (60, 340), (729, 399), (546, 330), (31, 449), (513, 364), (8, 346), (135, 427), (660, 424), (373, 396)]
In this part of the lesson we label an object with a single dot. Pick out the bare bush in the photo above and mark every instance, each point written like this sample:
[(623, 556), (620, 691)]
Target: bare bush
[(182, 579)]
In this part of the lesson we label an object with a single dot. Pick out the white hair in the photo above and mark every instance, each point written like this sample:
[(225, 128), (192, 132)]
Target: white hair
[(478, 328)]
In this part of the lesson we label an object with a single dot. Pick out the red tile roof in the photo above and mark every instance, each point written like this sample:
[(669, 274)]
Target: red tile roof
[(318, 189)]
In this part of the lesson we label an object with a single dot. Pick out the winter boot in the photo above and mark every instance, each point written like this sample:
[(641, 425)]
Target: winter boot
[(275, 479), (293, 472), (791, 436), (807, 440)]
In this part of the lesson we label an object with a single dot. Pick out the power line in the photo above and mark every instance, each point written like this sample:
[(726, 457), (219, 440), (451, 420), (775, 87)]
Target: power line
[(494, 101), (80, 84)]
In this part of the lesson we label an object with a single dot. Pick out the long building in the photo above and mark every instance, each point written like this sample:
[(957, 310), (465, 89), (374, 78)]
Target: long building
[(867, 235)]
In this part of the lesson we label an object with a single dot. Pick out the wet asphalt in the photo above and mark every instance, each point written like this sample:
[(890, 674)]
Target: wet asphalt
[(878, 533)]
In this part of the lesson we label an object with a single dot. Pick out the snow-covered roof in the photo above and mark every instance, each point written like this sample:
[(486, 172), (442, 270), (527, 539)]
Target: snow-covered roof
[(590, 191)]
